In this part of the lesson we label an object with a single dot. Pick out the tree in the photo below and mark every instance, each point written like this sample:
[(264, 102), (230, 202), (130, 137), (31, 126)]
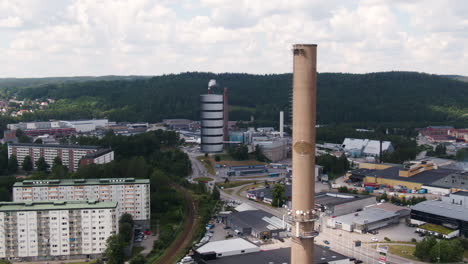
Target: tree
[(215, 194), (22, 138), (42, 165), (423, 248), (38, 141), (462, 154), (27, 164), (278, 193), (259, 156), (440, 150), (138, 259), (57, 161), (114, 252), (217, 158), (4, 194), (12, 164)]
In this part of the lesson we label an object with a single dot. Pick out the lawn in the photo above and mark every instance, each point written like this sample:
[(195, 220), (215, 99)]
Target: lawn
[(227, 160), (436, 228), (203, 179), (402, 251)]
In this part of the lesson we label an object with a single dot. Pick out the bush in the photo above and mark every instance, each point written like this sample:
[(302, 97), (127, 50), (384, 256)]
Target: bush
[(387, 239), (217, 158), (414, 240)]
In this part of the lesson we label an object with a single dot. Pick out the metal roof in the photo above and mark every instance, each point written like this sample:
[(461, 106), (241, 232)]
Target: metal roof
[(370, 215), (227, 245), (55, 205), (425, 177), (443, 209), (258, 220), (80, 182), (279, 256)]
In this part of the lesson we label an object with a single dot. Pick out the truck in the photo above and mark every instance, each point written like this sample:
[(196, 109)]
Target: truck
[(273, 174)]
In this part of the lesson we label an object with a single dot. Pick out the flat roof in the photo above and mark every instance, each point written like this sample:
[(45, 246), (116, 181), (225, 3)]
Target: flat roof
[(425, 177), (463, 193), (443, 209), (226, 245), (369, 215), (54, 205), (257, 219), (79, 182), (278, 256), (329, 198), (52, 146)]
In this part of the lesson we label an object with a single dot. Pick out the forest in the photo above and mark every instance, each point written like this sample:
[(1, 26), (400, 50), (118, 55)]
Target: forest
[(401, 98)]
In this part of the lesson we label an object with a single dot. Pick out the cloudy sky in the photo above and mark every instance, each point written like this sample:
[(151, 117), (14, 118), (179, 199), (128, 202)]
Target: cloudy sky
[(151, 37)]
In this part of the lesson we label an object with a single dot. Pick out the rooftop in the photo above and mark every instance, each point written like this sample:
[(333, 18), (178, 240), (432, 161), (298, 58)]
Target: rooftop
[(226, 245), (425, 177), (71, 182), (279, 256), (329, 199), (256, 219), (52, 146), (461, 193), (98, 153), (54, 205), (369, 215), (443, 209)]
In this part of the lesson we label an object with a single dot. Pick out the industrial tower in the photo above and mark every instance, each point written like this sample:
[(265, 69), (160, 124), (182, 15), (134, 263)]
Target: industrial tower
[(303, 214)]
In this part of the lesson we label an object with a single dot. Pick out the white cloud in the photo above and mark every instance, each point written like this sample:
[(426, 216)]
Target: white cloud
[(88, 37)]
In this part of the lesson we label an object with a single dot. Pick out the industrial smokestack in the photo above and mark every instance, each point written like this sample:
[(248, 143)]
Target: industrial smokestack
[(303, 157), (281, 125), (226, 115)]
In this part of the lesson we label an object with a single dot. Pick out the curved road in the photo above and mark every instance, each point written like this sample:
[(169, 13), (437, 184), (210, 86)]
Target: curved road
[(184, 239)]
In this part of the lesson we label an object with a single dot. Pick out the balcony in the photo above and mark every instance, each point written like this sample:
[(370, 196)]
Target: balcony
[(305, 235)]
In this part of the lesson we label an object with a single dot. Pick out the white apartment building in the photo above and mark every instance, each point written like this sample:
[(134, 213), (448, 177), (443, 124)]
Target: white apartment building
[(48, 230), (132, 195), (70, 155)]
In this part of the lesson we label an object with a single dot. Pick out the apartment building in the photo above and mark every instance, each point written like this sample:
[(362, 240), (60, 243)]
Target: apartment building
[(69, 154), (47, 230), (132, 195)]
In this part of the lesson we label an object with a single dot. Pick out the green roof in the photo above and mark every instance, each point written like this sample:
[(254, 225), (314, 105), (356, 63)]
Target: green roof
[(72, 182), (55, 205)]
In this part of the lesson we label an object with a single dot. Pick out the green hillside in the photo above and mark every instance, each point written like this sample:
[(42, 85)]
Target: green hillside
[(392, 97)]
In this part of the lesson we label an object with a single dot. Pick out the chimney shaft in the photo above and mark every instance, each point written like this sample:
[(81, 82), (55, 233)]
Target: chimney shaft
[(226, 115), (281, 128), (303, 157)]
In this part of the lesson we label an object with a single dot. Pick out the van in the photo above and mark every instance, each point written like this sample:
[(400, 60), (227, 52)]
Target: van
[(237, 232)]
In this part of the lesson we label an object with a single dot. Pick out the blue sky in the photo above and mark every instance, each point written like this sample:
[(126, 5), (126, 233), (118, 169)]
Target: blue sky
[(152, 37)]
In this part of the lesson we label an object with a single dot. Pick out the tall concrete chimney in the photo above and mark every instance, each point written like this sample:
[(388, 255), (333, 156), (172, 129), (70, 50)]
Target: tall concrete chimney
[(281, 125), (303, 214), (226, 115)]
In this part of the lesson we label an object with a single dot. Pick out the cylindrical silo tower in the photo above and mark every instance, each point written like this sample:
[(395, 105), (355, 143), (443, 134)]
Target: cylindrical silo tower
[(212, 119)]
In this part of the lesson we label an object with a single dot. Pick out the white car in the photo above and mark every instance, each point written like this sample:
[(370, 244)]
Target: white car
[(374, 239)]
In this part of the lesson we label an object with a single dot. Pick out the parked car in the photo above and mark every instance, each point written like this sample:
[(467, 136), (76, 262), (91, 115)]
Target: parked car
[(326, 242), (374, 239)]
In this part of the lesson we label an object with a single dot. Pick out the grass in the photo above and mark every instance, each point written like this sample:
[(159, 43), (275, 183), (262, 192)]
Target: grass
[(436, 228), (465, 254), (228, 191), (83, 262), (227, 160), (248, 187), (233, 184), (402, 251), (136, 251), (207, 163), (203, 179)]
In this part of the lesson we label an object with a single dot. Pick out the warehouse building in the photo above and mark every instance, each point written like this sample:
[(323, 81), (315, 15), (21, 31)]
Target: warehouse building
[(132, 195), (32, 129), (322, 255), (69, 154), (46, 230), (371, 218), (365, 147), (257, 223), (451, 212), (411, 176)]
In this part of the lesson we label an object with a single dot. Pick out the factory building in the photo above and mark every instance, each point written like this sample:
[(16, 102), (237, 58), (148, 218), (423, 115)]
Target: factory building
[(102, 156), (275, 150), (46, 230), (371, 218), (32, 129), (451, 212), (365, 147), (212, 120), (132, 195), (257, 223), (69, 154), (251, 255)]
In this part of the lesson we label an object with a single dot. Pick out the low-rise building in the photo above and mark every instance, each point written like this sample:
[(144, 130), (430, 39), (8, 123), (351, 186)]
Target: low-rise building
[(451, 212), (371, 218), (69, 154), (257, 223), (225, 248), (46, 230), (322, 255), (132, 195), (365, 147)]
